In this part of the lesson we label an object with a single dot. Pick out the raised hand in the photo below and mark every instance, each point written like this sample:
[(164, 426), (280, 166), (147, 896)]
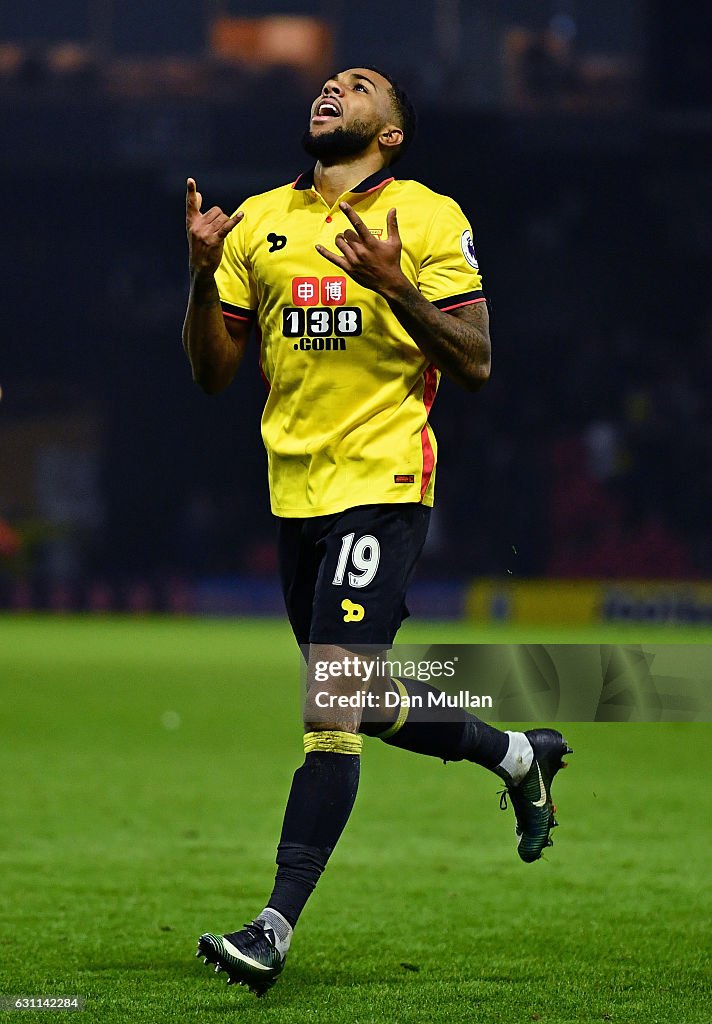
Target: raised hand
[(206, 231), (372, 263)]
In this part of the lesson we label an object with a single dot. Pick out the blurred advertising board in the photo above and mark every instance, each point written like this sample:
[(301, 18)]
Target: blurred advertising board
[(589, 602)]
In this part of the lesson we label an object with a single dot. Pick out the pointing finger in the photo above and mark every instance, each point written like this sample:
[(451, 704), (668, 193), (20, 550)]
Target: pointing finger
[(392, 224), (193, 198), (363, 232), (338, 261)]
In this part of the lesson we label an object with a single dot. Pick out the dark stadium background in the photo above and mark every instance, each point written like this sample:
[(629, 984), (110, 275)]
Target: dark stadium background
[(576, 137), (146, 759)]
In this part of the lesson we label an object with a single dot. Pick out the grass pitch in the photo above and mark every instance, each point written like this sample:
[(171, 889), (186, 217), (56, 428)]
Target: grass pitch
[(145, 765)]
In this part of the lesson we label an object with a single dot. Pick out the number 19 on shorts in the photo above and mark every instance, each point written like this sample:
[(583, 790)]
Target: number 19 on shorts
[(364, 556)]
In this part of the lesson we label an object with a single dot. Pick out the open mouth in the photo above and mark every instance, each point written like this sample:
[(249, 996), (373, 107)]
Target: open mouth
[(326, 110)]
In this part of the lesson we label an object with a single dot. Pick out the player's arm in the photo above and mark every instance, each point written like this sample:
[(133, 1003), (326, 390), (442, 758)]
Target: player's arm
[(215, 348), (457, 343)]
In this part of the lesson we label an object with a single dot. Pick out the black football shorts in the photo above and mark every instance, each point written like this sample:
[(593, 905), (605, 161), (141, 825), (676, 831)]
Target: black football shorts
[(344, 576)]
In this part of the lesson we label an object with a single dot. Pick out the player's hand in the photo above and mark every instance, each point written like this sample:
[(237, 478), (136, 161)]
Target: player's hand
[(206, 231), (372, 263)]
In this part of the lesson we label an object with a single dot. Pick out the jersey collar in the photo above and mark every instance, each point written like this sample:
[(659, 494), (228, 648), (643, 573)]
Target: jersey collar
[(370, 184)]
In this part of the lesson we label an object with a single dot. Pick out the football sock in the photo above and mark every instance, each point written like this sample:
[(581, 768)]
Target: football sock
[(518, 760), (452, 734), (320, 801), (281, 928)]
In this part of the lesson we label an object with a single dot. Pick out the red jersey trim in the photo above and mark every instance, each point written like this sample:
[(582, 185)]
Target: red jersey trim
[(374, 189), (459, 305), (259, 360), (463, 299), (236, 312), (429, 392)]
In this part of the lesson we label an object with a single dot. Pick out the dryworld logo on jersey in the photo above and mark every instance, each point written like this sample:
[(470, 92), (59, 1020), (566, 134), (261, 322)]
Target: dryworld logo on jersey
[(276, 242)]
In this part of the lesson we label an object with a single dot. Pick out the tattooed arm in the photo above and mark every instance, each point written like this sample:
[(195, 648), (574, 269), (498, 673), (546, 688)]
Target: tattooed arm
[(457, 343)]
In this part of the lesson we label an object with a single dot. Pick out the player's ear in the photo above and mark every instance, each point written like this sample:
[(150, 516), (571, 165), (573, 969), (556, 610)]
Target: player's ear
[(391, 136)]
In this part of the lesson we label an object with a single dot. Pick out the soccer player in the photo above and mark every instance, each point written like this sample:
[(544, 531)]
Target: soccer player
[(364, 289)]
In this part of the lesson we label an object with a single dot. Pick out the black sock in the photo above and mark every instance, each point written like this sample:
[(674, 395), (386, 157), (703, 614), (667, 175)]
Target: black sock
[(320, 801), (452, 734)]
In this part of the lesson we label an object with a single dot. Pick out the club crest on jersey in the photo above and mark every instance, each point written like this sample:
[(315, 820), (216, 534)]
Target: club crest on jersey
[(468, 249), (377, 232)]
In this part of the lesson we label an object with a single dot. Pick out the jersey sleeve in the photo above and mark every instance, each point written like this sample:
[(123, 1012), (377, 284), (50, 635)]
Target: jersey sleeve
[(234, 279), (449, 274)]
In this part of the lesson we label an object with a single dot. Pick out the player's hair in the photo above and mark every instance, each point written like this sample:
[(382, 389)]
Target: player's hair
[(403, 109)]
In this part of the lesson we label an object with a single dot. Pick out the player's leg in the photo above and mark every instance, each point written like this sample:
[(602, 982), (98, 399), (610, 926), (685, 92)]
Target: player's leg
[(320, 800), (324, 788), (255, 954), (526, 761)]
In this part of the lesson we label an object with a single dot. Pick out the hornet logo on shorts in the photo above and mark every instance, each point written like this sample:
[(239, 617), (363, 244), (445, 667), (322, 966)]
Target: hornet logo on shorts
[(468, 249), (354, 612)]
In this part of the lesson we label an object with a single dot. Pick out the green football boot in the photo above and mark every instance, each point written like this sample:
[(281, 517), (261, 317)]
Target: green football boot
[(531, 798), (248, 957)]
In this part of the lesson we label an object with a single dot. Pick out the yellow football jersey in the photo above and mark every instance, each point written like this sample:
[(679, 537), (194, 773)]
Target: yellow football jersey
[(346, 417)]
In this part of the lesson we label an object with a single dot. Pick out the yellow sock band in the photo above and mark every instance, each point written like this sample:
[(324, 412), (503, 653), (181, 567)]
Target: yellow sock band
[(332, 742), (402, 713)]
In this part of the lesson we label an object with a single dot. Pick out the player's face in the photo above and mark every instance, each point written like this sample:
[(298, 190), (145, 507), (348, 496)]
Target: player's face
[(349, 114)]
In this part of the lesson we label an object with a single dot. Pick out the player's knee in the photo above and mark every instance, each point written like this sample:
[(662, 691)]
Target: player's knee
[(323, 726), (329, 708)]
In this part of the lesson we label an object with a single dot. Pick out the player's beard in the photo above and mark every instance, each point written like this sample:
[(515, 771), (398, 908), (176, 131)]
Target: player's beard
[(331, 147)]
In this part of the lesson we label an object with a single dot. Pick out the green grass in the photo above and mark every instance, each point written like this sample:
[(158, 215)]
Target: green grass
[(122, 840)]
